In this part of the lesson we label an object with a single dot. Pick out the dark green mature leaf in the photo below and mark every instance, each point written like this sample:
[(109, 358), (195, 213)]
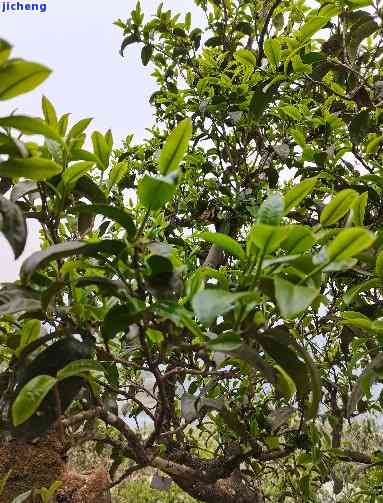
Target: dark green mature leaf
[(78, 367), (116, 214), (30, 126), (175, 147), (209, 304), (338, 206), (74, 172), (348, 243), (296, 194), (22, 189), (155, 191), (18, 77), (277, 343), (271, 210), (33, 168), (293, 299), (119, 318), (225, 343), (262, 98), (359, 126), (225, 242), (13, 225), (14, 299), (88, 188), (30, 397), (68, 249), (146, 54)]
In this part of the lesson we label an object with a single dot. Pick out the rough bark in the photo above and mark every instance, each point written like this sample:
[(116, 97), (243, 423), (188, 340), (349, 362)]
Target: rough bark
[(230, 490)]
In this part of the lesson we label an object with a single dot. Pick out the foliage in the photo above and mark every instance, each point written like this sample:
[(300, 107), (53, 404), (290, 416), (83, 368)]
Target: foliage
[(226, 272)]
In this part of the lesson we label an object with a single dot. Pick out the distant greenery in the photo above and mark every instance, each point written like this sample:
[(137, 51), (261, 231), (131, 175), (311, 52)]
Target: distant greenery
[(139, 491)]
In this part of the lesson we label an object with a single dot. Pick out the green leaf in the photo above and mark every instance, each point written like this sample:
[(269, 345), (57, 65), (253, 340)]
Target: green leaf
[(146, 54), (38, 259), (272, 48), (79, 128), (225, 242), (297, 193), (78, 367), (12, 225), (18, 77), (101, 149), (278, 344), (373, 144), (379, 265), (311, 27), (348, 243), (338, 207), (30, 397), (209, 304), (299, 239), (74, 172), (359, 126), (271, 210), (30, 126), (292, 112), (225, 343), (155, 336), (245, 57), (34, 168), (175, 147), (119, 318), (80, 154), (155, 191), (262, 98), (359, 209), (293, 299), (49, 112), (117, 173), (29, 333), (266, 237), (16, 300), (5, 50), (118, 215), (359, 288), (62, 125)]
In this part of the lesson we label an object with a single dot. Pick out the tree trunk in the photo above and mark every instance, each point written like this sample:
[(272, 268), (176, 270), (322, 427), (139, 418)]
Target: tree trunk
[(230, 490)]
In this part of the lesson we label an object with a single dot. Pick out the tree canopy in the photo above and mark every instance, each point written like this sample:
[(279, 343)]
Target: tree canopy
[(221, 279)]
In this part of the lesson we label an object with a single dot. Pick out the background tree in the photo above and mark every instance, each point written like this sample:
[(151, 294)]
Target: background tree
[(246, 278)]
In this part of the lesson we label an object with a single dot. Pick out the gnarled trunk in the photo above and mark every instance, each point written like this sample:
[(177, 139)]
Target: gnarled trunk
[(229, 490)]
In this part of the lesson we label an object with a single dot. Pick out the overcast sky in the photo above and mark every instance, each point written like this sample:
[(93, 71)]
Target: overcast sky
[(78, 41)]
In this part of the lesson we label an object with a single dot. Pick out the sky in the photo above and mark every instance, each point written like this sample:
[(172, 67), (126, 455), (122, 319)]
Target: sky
[(78, 41)]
